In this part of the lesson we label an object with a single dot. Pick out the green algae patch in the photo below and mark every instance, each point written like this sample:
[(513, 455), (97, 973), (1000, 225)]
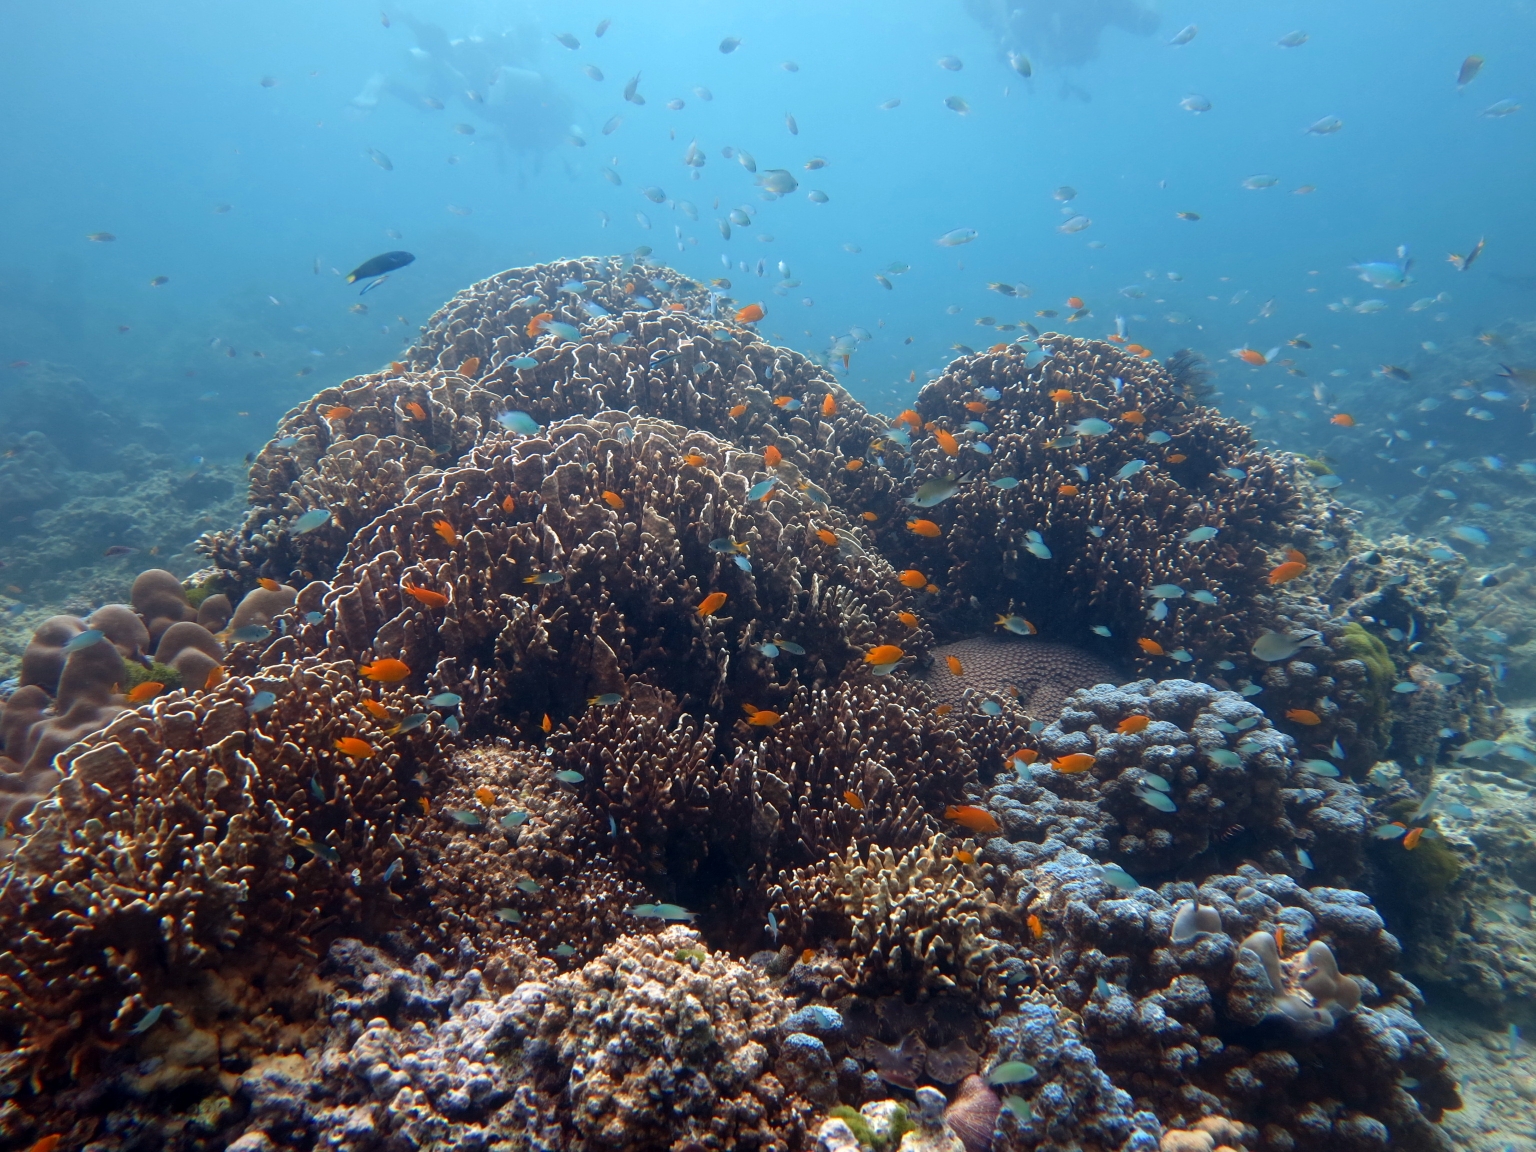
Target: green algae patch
[(200, 592), (1371, 652), (135, 674)]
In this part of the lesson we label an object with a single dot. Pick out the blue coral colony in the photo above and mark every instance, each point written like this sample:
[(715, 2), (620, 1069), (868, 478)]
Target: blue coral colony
[(605, 731)]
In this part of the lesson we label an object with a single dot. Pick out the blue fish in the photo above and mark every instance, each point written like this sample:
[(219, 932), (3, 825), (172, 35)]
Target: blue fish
[(445, 700), (563, 330), (261, 702), (743, 563), (314, 518), (1234, 473), (84, 640), (314, 617), (991, 394), (1158, 437), (1200, 535), (519, 422), (525, 362), (1005, 483), (250, 634), (1093, 426), (1130, 469), (762, 488)]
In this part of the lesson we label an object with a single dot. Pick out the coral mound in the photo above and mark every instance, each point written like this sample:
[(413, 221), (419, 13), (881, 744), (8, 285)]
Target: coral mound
[(580, 748)]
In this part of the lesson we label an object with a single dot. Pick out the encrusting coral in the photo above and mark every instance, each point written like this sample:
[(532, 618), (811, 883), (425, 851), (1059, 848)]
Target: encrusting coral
[(532, 643)]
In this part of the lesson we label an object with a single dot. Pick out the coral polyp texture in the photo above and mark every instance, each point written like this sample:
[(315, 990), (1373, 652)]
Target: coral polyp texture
[(604, 733)]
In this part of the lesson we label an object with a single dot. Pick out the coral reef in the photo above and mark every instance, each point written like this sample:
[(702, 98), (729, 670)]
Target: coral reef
[(536, 642)]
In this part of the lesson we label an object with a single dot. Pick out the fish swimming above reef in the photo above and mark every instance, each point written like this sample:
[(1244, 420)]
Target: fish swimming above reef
[(379, 265), (1385, 273)]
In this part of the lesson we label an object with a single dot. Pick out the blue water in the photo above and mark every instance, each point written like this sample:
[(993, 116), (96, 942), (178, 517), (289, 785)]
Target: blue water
[(146, 120)]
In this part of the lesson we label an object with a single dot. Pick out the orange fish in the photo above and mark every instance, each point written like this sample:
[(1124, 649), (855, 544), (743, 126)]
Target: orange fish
[(974, 818), (912, 578), (337, 412), (829, 405), (931, 589), (216, 676), (763, 718), (376, 710), (883, 654), (508, 504), (352, 746), (426, 805), (965, 857), (268, 583), (908, 618), (470, 366), (1061, 395), (674, 306), (613, 500), (925, 528), (772, 456), (1115, 338), (870, 516), (1143, 352), (1132, 724), (1036, 929), (47, 1143), (826, 536), (1177, 458), (1287, 571), (1134, 416), (1280, 937), (1342, 419), (145, 691), (485, 795), (993, 348), (1067, 490), (1250, 356), (910, 418), (693, 460), (751, 314), (1028, 755), (1150, 647), (546, 723), (711, 604), (1075, 302), (854, 800), (782, 401), (1292, 554), (854, 465), (739, 410), (1073, 763), (536, 325), (446, 531), (425, 595), (947, 442), (955, 667), (416, 410), (807, 955), (1303, 716), (386, 671), (396, 368), (1411, 840), (943, 709), (976, 406)]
